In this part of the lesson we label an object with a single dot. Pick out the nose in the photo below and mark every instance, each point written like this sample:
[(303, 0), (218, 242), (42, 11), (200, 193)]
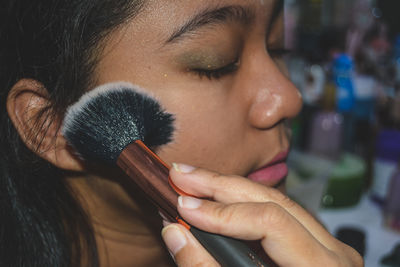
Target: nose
[(272, 96)]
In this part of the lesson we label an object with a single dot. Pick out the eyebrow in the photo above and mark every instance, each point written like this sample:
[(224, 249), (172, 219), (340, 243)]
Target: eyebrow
[(244, 15)]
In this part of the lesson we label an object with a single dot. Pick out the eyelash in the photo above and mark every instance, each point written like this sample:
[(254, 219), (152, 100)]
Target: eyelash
[(232, 67), (218, 73)]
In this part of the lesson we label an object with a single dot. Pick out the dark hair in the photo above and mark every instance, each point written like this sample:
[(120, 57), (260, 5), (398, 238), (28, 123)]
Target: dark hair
[(54, 42)]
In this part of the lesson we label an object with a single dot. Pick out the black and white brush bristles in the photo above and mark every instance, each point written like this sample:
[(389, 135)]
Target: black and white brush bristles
[(108, 118)]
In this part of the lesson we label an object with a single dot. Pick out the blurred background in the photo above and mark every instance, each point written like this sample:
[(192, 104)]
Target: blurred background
[(345, 165)]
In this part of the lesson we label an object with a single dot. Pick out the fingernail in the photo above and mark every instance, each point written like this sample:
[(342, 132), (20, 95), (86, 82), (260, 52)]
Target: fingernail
[(183, 168), (174, 238), (189, 202)]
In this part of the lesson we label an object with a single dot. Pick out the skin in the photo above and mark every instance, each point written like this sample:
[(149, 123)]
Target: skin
[(245, 105), (248, 105), (231, 124), (243, 209)]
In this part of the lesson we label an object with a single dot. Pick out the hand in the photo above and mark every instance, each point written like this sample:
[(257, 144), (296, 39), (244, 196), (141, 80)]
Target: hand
[(242, 209)]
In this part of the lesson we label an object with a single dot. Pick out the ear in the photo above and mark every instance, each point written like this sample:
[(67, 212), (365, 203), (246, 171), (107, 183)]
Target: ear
[(26, 106)]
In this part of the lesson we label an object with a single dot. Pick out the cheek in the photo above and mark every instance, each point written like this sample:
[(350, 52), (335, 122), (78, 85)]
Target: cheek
[(205, 134), (199, 138)]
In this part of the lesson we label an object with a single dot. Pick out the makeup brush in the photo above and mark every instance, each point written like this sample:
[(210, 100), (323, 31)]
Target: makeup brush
[(111, 124)]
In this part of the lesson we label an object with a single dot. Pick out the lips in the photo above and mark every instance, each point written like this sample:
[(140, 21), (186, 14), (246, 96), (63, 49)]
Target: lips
[(273, 172)]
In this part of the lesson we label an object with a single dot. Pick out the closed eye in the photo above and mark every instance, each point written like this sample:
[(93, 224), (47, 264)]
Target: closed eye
[(219, 72)]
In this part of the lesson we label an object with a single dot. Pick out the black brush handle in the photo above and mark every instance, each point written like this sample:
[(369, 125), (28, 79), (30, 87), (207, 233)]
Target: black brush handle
[(150, 173), (227, 251)]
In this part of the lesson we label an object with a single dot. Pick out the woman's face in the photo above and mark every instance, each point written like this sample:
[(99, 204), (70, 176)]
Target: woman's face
[(216, 65)]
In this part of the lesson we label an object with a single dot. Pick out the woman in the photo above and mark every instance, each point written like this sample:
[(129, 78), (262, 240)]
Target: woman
[(214, 64)]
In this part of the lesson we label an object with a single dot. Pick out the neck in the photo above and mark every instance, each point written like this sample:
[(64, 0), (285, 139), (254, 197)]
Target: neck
[(127, 226)]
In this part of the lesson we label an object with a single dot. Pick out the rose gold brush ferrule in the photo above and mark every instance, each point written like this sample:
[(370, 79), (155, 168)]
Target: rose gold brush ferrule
[(151, 174)]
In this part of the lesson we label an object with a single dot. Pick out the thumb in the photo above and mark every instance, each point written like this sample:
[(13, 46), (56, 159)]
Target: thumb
[(184, 248)]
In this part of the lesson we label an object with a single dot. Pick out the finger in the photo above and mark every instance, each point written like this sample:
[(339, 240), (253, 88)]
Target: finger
[(184, 248), (232, 189), (283, 238), (225, 188), (203, 183)]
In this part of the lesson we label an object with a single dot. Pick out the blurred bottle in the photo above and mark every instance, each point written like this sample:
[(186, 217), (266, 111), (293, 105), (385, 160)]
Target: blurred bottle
[(396, 106), (325, 137), (343, 77), (387, 154), (292, 13), (312, 87), (392, 205), (365, 90), (396, 56), (388, 109), (345, 97), (346, 182)]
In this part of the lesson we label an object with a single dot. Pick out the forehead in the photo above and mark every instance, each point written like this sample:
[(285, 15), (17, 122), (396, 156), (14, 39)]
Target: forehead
[(183, 4), (143, 38), (161, 18), (170, 12)]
